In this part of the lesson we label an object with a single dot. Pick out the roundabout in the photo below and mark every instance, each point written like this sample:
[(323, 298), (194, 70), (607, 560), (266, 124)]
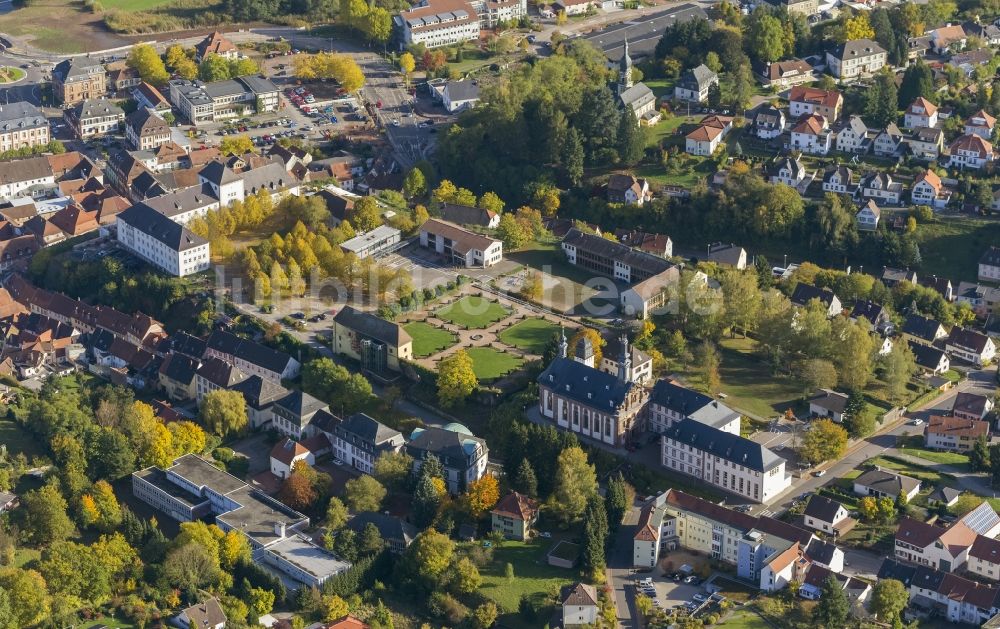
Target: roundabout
[(11, 74)]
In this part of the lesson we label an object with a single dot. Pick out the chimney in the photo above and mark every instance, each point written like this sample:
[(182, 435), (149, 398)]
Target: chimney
[(279, 529)]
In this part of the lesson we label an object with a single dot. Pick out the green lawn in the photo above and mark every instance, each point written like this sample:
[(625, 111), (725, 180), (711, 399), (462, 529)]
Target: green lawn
[(133, 5), (490, 364), (745, 620), (531, 335), (532, 574), (914, 446), (427, 339), (920, 473), (17, 440), (749, 385), (956, 244), (473, 312)]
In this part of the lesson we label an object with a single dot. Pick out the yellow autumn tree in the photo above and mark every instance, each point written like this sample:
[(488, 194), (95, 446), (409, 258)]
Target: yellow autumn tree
[(188, 437), (483, 495), (89, 515), (233, 547), (596, 342)]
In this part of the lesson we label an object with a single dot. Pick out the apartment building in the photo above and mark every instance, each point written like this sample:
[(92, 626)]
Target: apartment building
[(855, 59), (22, 125), (670, 403), (805, 101), (93, 117), (145, 130), (462, 455), (460, 246), (955, 598), (163, 243), (77, 79), (956, 434), (724, 460), (437, 23), (360, 440), (251, 357)]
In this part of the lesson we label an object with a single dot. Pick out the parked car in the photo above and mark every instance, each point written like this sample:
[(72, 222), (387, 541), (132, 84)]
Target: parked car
[(918, 422), (819, 473), (699, 597)]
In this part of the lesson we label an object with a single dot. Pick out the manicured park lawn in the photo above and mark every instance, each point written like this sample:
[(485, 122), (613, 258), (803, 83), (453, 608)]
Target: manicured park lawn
[(473, 312), (914, 447), (490, 364), (427, 339), (531, 335), (532, 574), (920, 473), (745, 620)]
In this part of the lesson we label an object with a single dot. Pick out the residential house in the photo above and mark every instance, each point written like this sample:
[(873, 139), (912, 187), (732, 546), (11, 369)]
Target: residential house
[(292, 415), (880, 186), (206, 615), (694, 84), (930, 358), (93, 117), (982, 298), (825, 514), (727, 255), (970, 151), (828, 403), (360, 440), (838, 179), (286, 454), (855, 59), (462, 454), (347, 622), (873, 313), (251, 357), (920, 113), (803, 101), (945, 548), (78, 78), (467, 215), (947, 37), (379, 344), (928, 190), (145, 130), (970, 346), (121, 77), (989, 33), (458, 96), (868, 216), (515, 515), (854, 137), (981, 124), (670, 402), (926, 143), (177, 376), (148, 97), (708, 135), (811, 135), (22, 125), (628, 189), (879, 482), (954, 433), (656, 244), (260, 394), (972, 405), (788, 171), (782, 74), (160, 241), (947, 496), (768, 122), (888, 142), (957, 599), (923, 330), (460, 246), (216, 44), (579, 397), (724, 460), (396, 532), (804, 293), (891, 276), (579, 605), (639, 367), (989, 265), (984, 558)]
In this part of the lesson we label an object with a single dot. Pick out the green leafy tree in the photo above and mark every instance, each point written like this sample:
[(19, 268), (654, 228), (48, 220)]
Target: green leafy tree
[(427, 559), (815, 373), (918, 81), (833, 609), (512, 233), (889, 598), (336, 514), (44, 516), (898, 367), (426, 498), (765, 36), (979, 456), (824, 441), (881, 99), (465, 576), (595, 528), (223, 412), (214, 68), (524, 480), (617, 500), (415, 185), (456, 379), (392, 469), (365, 216), (364, 493), (631, 139), (575, 483)]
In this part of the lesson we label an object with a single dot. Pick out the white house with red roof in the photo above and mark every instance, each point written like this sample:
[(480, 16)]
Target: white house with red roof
[(928, 190), (812, 135), (970, 151), (285, 454), (920, 113), (514, 515), (810, 100), (981, 124)]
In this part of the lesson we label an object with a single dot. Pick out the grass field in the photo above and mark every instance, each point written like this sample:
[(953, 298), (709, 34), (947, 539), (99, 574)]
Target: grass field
[(956, 244), (745, 620), (473, 312), (532, 575), (566, 285), (914, 446), (16, 440), (10, 74), (62, 26), (531, 335), (490, 364), (427, 339), (920, 473), (133, 5)]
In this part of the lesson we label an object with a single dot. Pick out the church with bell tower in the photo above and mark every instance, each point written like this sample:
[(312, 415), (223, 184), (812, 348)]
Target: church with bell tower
[(638, 96)]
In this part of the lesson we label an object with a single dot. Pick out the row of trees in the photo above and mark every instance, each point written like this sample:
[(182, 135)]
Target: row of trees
[(325, 65), (156, 70)]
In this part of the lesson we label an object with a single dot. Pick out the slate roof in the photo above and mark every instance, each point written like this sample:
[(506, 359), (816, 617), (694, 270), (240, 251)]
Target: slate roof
[(869, 310), (144, 122), (179, 368), (822, 508), (369, 325), (886, 482), (921, 327), (260, 392), (647, 262), (367, 429), (447, 445), (586, 385), (156, 225), (218, 173), (972, 403), (917, 533), (966, 338), (184, 343), (857, 48), (927, 356), (250, 351), (991, 257), (985, 549), (207, 614), (220, 373), (466, 215), (579, 595), (21, 115), (727, 446), (389, 526), (300, 404), (691, 403), (804, 293), (75, 69), (695, 78), (821, 551)]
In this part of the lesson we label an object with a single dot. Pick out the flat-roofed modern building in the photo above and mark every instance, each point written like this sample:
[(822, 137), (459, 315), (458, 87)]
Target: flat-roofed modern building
[(201, 102), (372, 243)]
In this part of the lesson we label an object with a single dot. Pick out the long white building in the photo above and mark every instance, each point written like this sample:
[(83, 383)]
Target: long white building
[(724, 460), (437, 23), (163, 243)]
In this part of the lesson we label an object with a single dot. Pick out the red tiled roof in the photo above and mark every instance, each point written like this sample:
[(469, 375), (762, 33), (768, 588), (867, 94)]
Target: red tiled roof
[(517, 506), (957, 427), (826, 98)]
